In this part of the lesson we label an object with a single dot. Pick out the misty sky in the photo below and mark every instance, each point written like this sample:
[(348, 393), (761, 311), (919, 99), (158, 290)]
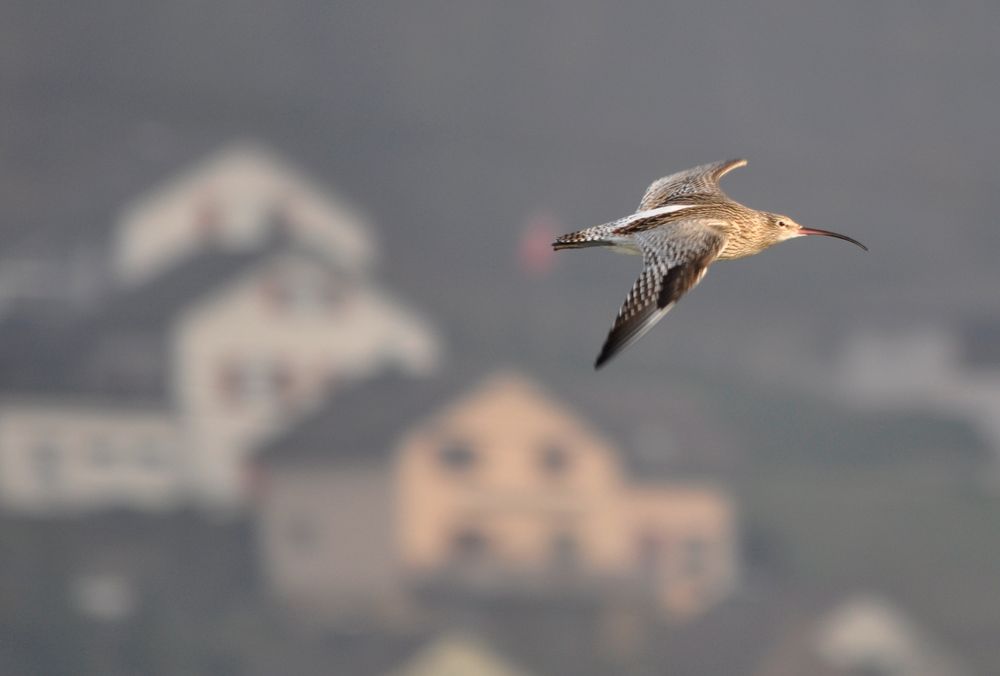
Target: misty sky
[(451, 124)]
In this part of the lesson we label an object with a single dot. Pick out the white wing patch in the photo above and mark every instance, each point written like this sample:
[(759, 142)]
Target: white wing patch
[(658, 211)]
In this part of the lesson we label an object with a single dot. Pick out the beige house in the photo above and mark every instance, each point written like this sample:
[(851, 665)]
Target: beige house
[(508, 486), (234, 199), (502, 490)]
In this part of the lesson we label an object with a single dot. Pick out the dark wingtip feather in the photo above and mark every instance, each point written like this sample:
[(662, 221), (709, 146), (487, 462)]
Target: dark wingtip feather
[(602, 359), (610, 348)]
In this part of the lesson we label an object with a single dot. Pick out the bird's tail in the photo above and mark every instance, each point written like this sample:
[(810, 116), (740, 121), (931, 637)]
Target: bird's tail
[(596, 235)]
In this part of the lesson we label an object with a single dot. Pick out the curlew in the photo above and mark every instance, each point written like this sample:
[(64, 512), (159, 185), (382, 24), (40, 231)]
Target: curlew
[(684, 224)]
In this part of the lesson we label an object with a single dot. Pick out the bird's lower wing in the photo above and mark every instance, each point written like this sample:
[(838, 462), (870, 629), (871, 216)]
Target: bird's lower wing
[(665, 277)]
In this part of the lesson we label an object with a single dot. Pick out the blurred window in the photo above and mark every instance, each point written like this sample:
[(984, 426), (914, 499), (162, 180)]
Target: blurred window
[(565, 551), (208, 221), (255, 380), (555, 460), (469, 544), (229, 381), (334, 292), (273, 290), (302, 291), (651, 553), (458, 456), (306, 291), (695, 551), (276, 221), (282, 380)]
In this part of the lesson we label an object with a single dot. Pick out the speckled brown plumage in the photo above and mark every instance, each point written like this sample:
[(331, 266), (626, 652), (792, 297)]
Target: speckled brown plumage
[(684, 223)]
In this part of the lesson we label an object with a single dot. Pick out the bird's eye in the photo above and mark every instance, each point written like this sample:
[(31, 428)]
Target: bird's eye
[(782, 224)]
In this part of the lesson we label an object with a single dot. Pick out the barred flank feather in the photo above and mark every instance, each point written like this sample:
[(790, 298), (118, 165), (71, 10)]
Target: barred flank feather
[(561, 243), (593, 236)]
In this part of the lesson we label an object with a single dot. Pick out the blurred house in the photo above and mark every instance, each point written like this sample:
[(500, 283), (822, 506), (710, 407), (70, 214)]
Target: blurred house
[(864, 634), (154, 397), (403, 486), (508, 486)]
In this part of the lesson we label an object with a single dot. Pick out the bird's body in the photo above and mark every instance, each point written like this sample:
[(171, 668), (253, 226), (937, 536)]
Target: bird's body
[(684, 223)]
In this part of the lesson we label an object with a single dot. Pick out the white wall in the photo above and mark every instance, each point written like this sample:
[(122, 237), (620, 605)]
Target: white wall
[(246, 364)]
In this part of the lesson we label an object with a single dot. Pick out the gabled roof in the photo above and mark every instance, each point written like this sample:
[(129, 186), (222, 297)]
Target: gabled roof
[(362, 423), (156, 302)]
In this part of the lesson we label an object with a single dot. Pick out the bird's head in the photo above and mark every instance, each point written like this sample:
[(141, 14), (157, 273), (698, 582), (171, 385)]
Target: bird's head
[(782, 227)]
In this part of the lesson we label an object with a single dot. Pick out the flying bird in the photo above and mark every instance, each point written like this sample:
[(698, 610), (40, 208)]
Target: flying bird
[(684, 224)]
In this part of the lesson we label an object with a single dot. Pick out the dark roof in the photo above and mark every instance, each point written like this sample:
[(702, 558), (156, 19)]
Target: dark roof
[(361, 423), (155, 303), (42, 355), (71, 362)]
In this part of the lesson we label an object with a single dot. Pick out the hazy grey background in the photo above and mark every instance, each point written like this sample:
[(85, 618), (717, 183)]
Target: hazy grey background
[(451, 124)]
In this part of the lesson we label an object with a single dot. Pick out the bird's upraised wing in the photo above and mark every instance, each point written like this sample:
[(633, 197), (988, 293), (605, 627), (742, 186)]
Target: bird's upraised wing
[(674, 260), (702, 180)]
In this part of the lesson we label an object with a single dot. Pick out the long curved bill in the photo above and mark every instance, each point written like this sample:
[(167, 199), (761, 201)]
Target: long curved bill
[(827, 233)]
